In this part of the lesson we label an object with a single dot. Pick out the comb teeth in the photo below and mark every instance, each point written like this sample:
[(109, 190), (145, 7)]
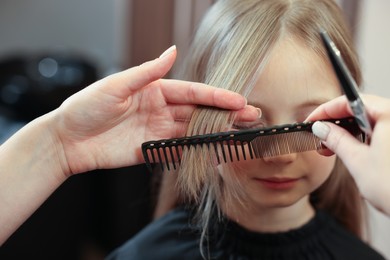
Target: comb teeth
[(242, 145)]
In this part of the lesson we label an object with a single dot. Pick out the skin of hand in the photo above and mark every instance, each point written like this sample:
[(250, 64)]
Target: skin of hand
[(102, 126), (367, 163)]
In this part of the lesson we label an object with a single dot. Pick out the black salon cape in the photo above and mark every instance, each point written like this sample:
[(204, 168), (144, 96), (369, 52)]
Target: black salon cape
[(173, 237)]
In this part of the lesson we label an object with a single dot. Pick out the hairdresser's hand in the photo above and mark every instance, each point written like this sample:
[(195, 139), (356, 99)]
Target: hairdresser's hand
[(368, 164), (101, 126), (104, 125)]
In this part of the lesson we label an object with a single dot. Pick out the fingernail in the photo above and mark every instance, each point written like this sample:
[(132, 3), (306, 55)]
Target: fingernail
[(168, 51), (260, 113), (321, 130)]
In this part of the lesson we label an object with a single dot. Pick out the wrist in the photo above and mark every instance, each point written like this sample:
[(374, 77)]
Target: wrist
[(54, 142), (42, 149), (31, 169)]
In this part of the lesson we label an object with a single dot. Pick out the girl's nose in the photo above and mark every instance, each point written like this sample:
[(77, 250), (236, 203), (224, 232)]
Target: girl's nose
[(281, 159)]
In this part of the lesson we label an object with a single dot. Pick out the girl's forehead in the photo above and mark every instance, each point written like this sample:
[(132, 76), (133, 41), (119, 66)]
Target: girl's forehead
[(295, 74)]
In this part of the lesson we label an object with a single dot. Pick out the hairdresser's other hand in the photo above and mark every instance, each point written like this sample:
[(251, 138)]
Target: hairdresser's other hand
[(104, 125), (368, 164)]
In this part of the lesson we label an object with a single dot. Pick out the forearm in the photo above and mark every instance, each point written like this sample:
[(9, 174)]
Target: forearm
[(30, 170)]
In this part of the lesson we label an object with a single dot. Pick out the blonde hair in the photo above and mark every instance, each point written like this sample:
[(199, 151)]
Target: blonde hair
[(229, 51)]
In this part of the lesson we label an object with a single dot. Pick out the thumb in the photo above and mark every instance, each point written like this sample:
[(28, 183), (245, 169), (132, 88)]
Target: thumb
[(157, 68), (152, 70), (135, 78), (339, 140)]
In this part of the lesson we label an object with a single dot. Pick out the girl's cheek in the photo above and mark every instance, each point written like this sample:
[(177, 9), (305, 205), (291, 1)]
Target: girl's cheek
[(322, 166)]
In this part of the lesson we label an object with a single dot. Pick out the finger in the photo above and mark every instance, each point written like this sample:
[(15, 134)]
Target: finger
[(180, 128), (336, 108), (127, 82), (339, 140), (184, 92), (182, 112), (339, 107), (325, 151), (248, 114)]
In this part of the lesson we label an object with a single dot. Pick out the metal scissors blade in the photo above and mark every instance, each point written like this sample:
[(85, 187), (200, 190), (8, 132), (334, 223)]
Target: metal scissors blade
[(347, 83)]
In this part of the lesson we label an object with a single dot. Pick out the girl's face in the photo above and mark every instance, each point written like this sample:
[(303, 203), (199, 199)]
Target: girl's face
[(293, 83)]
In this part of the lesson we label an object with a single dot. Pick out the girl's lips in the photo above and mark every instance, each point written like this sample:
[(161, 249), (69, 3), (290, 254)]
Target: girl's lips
[(278, 183)]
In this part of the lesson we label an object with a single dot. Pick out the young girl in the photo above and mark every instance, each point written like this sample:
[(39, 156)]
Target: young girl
[(294, 206)]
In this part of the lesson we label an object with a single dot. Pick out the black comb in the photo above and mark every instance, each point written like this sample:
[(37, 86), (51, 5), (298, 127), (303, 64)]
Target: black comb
[(244, 144)]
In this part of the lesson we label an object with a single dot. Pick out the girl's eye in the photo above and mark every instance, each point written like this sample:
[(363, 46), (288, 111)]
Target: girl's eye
[(304, 113), (244, 126)]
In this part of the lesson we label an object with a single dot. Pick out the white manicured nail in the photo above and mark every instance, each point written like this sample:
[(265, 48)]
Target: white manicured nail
[(168, 51), (260, 113), (321, 130)]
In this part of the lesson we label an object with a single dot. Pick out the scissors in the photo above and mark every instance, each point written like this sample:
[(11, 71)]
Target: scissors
[(347, 83)]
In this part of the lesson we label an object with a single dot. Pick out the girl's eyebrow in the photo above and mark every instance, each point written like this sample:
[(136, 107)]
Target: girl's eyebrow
[(306, 103), (313, 102)]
